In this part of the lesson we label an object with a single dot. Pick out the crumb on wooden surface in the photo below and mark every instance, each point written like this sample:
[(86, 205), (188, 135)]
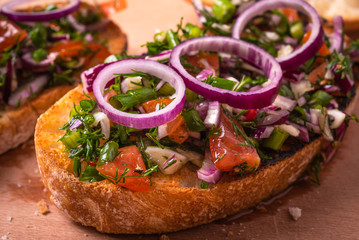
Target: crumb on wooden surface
[(295, 213), (9, 218), (164, 237), (43, 207)]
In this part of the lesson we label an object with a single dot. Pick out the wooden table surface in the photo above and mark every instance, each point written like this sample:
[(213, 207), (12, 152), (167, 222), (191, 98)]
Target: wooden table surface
[(329, 211)]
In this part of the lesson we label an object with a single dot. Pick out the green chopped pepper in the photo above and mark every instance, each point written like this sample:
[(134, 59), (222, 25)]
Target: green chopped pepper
[(223, 10), (193, 120), (132, 98), (276, 139)]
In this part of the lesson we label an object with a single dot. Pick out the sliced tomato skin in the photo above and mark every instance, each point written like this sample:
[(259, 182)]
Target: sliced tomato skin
[(10, 34), (176, 129), (128, 158), (230, 151)]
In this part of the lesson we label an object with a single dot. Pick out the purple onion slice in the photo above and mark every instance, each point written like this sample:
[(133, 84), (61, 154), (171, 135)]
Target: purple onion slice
[(248, 52), (300, 55), (139, 121)]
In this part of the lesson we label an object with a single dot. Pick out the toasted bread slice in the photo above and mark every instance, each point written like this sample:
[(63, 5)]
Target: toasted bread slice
[(175, 202), (348, 9), (18, 124)]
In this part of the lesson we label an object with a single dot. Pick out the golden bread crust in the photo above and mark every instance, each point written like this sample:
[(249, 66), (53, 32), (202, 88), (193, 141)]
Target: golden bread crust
[(18, 124), (175, 202)]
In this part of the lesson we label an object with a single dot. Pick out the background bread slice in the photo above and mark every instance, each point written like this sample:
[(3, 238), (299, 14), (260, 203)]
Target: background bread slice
[(174, 203), (348, 9), (18, 124)]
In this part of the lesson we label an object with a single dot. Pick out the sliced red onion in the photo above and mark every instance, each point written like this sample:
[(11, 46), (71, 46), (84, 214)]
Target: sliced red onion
[(208, 172), (300, 55), (299, 88), (205, 73), (337, 118), (163, 157), (333, 104), (10, 76), (250, 53), (303, 131), (345, 83), (161, 57), (162, 131), (101, 118), (60, 37), (301, 101), (140, 121), (289, 40), (274, 118), (77, 26), (213, 114), (262, 132), (30, 63), (336, 38), (284, 103), (77, 123), (293, 76), (323, 124), (292, 130), (88, 76), (9, 10), (331, 88), (20, 95), (202, 109), (130, 83)]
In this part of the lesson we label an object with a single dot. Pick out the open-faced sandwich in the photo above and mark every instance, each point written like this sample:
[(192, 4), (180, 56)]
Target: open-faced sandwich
[(43, 49), (203, 126)]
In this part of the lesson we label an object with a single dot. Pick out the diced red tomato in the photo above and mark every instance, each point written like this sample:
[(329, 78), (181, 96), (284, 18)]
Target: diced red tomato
[(229, 150), (151, 105), (205, 60), (10, 34), (112, 7), (176, 129), (92, 51), (323, 51), (129, 158), (317, 73), (290, 13), (250, 115)]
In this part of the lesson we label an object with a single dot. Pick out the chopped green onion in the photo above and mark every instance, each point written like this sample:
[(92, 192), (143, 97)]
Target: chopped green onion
[(71, 140), (193, 120), (190, 95), (192, 31), (276, 139), (297, 30), (223, 10), (223, 83), (172, 39), (166, 90), (132, 98), (77, 166)]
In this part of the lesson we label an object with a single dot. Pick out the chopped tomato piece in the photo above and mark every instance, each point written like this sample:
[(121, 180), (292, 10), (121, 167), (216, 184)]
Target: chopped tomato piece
[(129, 159), (250, 115), (323, 51), (290, 13), (176, 129), (205, 60), (10, 34), (230, 151), (317, 73), (92, 51), (112, 7), (151, 106)]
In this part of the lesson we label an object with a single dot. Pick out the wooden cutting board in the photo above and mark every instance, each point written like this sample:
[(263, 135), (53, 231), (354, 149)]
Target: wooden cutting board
[(329, 211)]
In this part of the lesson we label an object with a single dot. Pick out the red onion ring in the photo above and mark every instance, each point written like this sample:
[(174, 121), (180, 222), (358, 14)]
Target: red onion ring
[(250, 53), (9, 10), (336, 39), (301, 54), (140, 121)]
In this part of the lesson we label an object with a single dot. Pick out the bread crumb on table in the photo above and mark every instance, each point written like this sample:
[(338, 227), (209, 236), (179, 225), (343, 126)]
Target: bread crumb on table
[(43, 207), (164, 237), (9, 218), (295, 213)]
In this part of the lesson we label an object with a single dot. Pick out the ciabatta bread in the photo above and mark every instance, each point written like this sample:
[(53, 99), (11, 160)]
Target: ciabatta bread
[(175, 202), (18, 124)]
